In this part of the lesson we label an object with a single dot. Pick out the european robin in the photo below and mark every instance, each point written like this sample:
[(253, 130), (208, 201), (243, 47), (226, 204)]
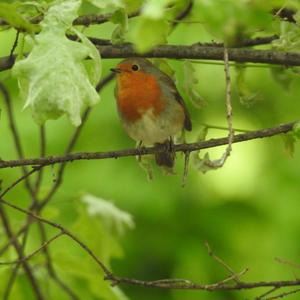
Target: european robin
[(149, 105)]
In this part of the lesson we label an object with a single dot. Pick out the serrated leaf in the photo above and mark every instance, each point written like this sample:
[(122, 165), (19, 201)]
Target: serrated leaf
[(53, 78), (113, 218), (190, 85)]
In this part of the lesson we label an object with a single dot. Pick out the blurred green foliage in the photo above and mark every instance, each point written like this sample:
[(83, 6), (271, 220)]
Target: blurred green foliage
[(248, 211)]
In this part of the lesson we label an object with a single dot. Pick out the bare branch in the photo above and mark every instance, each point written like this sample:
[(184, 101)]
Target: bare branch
[(85, 20), (165, 283), (24, 258), (203, 52), (58, 182), (35, 169), (50, 160), (15, 44), (195, 51), (223, 264), (218, 163), (19, 251), (283, 294), (42, 154), (62, 229), (287, 262)]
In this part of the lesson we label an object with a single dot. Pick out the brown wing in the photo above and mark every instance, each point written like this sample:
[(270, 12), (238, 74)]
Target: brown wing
[(179, 99)]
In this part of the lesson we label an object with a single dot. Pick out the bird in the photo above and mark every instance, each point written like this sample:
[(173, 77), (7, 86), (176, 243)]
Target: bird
[(150, 107)]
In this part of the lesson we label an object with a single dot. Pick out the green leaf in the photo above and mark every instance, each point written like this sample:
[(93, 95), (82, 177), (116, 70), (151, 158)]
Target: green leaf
[(190, 85), (296, 130), (106, 3), (202, 133), (144, 162), (289, 37), (154, 9), (232, 20), (149, 33), (97, 223), (289, 144), (9, 13), (114, 219), (246, 96), (164, 66), (281, 76), (53, 78), (119, 17), (151, 28), (95, 71)]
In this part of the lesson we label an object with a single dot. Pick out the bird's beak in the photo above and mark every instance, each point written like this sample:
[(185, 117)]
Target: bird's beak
[(116, 70)]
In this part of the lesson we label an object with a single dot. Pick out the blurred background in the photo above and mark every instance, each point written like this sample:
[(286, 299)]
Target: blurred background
[(248, 211)]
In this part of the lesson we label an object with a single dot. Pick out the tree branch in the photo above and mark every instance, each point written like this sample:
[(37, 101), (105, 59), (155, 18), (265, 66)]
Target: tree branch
[(19, 250), (195, 51), (24, 258), (85, 20), (51, 160), (162, 283), (218, 163)]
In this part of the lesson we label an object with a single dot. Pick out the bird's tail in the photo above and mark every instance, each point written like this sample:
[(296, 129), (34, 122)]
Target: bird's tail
[(165, 159)]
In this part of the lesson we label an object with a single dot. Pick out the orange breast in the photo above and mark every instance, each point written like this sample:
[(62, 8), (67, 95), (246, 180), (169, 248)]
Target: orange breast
[(138, 92)]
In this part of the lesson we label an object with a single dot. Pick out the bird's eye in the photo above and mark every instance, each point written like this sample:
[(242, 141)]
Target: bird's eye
[(135, 67)]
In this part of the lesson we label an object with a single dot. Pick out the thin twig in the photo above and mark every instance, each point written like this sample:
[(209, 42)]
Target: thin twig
[(62, 229), (15, 44), (15, 134), (218, 163), (56, 185), (19, 251), (42, 154), (283, 294), (19, 248), (272, 290), (35, 169), (224, 128), (165, 284), (85, 20), (102, 83), (186, 168), (222, 262), (50, 268), (27, 257), (286, 262)]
